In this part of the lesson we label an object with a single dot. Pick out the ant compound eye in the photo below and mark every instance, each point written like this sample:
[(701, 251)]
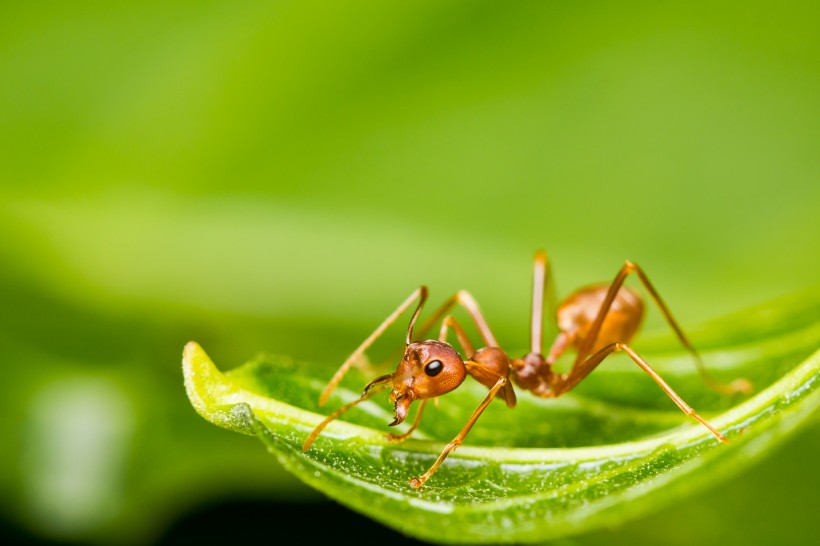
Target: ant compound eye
[(433, 368)]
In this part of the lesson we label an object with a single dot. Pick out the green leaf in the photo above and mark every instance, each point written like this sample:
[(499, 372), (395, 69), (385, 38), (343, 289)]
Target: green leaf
[(614, 448)]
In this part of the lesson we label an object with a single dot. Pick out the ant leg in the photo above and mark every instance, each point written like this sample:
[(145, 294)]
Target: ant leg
[(486, 365), (421, 294), (467, 301), (739, 385), (418, 482), (541, 281), (406, 435), (451, 322), (380, 383), (577, 374)]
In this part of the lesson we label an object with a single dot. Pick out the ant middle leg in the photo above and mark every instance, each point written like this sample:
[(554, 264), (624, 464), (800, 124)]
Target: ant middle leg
[(543, 291), (486, 365), (468, 302), (451, 322)]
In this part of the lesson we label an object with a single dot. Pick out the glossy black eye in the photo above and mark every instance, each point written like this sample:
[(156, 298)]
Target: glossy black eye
[(433, 368)]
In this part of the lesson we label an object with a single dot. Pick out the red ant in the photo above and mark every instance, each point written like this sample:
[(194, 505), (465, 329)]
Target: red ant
[(596, 321)]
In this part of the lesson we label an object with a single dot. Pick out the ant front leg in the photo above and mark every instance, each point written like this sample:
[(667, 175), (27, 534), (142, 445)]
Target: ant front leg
[(420, 294), (375, 386), (418, 482), (489, 366)]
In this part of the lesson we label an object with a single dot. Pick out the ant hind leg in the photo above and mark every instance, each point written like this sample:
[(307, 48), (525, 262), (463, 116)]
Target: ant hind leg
[(577, 374), (737, 386)]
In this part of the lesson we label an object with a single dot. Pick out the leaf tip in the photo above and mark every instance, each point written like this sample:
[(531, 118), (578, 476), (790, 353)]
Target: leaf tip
[(192, 348), (196, 369), (210, 392)]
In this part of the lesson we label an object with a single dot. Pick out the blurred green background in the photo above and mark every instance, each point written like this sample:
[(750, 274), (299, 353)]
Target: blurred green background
[(278, 176)]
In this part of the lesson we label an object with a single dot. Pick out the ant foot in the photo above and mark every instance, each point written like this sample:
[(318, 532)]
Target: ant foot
[(743, 386), (738, 386), (415, 483)]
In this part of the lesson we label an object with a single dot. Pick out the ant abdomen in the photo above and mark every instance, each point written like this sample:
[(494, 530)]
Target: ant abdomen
[(578, 311)]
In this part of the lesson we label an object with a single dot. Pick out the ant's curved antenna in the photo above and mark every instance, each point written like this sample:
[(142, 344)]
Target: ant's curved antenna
[(422, 299)]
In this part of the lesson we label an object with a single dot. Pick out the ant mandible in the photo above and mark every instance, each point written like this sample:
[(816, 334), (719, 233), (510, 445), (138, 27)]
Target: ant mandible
[(596, 321)]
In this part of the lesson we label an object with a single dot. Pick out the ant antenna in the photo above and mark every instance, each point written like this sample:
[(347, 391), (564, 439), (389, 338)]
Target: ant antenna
[(378, 381), (422, 299)]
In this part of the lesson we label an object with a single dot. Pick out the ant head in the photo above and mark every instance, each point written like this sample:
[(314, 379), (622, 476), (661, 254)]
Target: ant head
[(429, 369)]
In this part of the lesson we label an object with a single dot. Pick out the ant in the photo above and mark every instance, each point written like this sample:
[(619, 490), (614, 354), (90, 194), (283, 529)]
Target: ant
[(596, 321)]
